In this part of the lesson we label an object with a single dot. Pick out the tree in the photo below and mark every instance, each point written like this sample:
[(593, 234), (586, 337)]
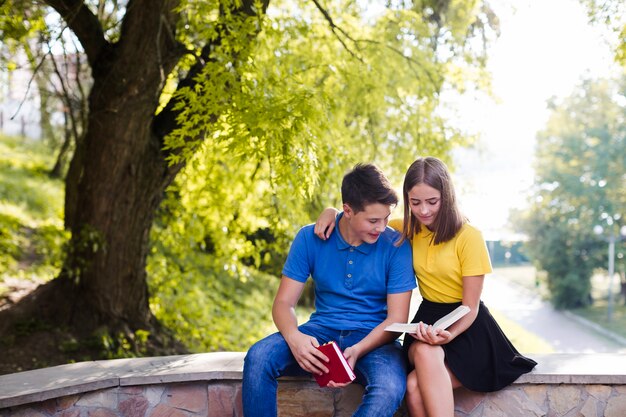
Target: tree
[(60, 78), (217, 85), (580, 170), (612, 15)]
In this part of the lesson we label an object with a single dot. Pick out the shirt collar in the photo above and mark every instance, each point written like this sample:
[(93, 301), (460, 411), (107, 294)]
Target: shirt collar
[(365, 248)]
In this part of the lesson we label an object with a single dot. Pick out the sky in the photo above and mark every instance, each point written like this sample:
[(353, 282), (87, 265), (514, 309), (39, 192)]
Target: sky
[(545, 49)]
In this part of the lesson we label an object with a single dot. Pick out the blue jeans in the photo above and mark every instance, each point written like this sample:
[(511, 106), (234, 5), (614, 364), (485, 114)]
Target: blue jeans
[(382, 372)]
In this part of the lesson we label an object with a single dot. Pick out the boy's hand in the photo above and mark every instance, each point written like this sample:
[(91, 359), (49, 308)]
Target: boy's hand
[(351, 356), (304, 349)]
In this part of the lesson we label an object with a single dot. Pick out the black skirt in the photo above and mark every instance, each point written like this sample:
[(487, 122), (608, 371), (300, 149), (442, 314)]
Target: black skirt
[(482, 357)]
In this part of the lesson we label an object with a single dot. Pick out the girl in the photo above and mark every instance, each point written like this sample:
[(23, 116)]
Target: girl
[(450, 259)]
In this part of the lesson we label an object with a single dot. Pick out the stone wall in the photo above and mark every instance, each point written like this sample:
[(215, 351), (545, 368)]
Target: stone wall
[(210, 385)]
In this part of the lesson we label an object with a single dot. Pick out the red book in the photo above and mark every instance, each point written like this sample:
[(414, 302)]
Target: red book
[(339, 369)]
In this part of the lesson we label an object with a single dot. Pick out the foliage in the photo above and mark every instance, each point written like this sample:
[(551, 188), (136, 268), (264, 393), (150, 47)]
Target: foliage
[(611, 14), (580, 171), (33, 43), (31, 207), (210, 303), (312, 99), (264, 112), (192, 291)]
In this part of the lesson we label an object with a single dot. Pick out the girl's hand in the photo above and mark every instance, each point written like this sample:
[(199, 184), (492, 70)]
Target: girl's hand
[(428, 334), (326, 223)]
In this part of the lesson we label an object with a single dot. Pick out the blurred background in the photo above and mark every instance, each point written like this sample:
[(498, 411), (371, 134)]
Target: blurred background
[(257, 119)]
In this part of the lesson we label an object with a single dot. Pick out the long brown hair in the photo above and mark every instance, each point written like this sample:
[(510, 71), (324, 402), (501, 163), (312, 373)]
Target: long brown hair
[(434, 173)]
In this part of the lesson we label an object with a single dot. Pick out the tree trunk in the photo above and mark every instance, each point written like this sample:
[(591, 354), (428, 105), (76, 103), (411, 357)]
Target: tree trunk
[(122, 179), (115, 184), (116, 179)]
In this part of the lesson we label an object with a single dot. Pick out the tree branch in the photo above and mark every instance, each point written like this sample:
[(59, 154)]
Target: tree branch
[(84, 24), (334, 28)]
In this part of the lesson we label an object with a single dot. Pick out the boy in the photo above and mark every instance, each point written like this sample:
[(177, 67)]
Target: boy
[(363, 282)]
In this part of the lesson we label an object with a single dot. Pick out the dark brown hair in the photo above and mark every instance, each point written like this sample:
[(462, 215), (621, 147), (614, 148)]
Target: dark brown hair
[(366, 184), (434, 173)]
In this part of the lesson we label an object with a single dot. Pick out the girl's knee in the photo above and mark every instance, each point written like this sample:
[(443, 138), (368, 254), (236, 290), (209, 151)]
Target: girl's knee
[(412, 384), (423, 352)]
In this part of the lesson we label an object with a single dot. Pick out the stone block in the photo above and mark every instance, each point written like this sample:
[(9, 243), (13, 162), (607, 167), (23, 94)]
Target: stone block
[(131, 390), (66, 402), (48, 406), (564, 398), (106, 398), (24, 412), (590, 408), (616, 407), (102, 412), (134, 406), (163, 410), (513, 401), (304, 400), (466, 401), (153, 393), (600, 392), (189, 397), (69, 413), (347, 400), (238, 402), (221, 400), (537, 394)]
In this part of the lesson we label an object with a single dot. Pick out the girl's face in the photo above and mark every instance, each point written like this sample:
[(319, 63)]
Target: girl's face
[(425, 202)]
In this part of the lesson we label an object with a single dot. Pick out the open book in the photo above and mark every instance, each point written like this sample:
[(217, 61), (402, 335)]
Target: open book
[(443, 323), (339, 369)]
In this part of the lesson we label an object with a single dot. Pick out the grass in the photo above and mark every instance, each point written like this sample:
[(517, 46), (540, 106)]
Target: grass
[(598, 313), (31, 212)]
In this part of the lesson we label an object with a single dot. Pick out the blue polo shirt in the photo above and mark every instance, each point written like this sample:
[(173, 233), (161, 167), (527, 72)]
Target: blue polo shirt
[(351, 282)]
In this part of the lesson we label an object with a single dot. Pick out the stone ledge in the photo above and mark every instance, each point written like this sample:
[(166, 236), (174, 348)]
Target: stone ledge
[(59, 381)]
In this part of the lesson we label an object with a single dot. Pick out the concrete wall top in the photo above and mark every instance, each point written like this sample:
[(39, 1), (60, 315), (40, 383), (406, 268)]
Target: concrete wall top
[(58, 381)]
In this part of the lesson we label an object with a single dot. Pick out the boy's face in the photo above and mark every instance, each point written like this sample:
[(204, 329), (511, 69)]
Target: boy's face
[(367, 225)]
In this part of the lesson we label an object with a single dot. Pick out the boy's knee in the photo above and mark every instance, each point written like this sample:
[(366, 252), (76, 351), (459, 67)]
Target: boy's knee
[(255, 357)]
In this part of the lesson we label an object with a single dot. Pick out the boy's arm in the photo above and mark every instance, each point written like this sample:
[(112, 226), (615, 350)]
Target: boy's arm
[(301, 345), (397, 312)]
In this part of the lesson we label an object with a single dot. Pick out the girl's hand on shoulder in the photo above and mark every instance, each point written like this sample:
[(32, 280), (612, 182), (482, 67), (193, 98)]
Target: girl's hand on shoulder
[(325, 223)]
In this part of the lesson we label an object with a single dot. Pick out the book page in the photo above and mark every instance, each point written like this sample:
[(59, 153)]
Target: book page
[(345, 363), (443, 323), (449, 319)]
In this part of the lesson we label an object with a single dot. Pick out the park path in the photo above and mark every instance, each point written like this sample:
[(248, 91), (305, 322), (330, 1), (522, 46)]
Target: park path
[(563, 331)]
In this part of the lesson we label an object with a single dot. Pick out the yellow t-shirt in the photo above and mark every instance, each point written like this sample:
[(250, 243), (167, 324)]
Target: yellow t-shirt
[(440, 268)]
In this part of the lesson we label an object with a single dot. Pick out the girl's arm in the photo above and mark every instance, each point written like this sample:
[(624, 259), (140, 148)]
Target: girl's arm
[(472, 289), (326, 223)]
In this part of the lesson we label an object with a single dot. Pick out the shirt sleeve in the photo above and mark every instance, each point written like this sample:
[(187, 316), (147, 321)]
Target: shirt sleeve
[(474, 256), (298, 265), (401, 275), (396, 224)]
